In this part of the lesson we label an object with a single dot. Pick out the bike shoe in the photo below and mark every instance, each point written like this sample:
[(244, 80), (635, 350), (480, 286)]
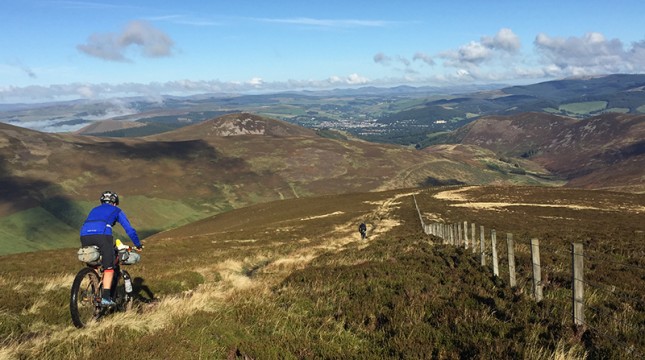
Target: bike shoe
[(107, 303)]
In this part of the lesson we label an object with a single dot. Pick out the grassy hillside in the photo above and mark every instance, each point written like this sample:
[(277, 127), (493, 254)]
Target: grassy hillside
[(48, 182), (587, 153), (292, 279)]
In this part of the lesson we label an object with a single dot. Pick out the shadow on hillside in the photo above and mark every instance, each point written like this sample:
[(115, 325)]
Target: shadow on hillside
[(182, 150), (195, 152), (431, 181), (21, 193), (65, 210), (138, 287), (613, 156)]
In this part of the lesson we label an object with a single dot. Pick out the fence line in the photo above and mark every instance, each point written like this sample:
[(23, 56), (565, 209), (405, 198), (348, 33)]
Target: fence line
[(455, 234)]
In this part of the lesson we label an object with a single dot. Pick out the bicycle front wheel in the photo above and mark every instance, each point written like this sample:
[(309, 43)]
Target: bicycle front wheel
[(83, 303)]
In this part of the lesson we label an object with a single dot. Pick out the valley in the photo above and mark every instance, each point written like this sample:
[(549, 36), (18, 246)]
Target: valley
[(249, 214)]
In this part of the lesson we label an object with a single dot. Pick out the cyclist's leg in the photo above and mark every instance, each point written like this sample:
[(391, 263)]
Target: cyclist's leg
[(106, 247)]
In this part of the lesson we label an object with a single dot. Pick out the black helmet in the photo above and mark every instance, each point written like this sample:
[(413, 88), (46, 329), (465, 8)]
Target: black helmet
[(109, 197)]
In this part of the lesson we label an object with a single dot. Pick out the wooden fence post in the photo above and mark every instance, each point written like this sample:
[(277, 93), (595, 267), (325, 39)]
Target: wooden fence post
[(474, 237), (466, 234), (455, 234), (446, 234), (511, 260), (578, 285), (456, 231), (482, 245), (493, 241), (459, 236), (537, 271)]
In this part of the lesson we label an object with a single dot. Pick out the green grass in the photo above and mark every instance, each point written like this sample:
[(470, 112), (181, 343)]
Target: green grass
[(33, 230), (618, 110), (56, 224), (583, 108)]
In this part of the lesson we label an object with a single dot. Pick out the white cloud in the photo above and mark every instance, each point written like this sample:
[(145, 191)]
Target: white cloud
[(383, 59), (406, 64), (112, 46), (588, 55), (86, 92), (504, 40), (13, 94), (335, 80), (256, 81), (475, 53), (355, 79), (424, 57)]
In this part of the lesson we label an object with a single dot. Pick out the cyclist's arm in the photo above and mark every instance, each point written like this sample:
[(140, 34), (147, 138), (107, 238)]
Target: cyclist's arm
[(132, 233)]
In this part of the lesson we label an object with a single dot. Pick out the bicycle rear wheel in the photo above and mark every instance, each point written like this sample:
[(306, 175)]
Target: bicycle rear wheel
[(83, 303)]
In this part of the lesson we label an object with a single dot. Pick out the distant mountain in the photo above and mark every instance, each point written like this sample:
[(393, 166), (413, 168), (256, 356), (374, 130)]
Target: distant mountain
[(583, 88), (605, 151), (401, 114), (236, 125), (49, 181)]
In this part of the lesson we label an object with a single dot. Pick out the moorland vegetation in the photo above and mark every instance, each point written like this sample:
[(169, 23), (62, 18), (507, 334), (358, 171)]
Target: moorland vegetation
[(292, 279)]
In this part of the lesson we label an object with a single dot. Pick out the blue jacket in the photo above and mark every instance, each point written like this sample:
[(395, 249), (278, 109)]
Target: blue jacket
[(101, 219)]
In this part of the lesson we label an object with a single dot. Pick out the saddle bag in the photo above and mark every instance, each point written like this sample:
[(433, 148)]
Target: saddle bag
[(90, 255)]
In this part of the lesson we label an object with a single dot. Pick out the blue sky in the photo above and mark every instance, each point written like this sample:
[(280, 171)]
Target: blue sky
[(62, 49)]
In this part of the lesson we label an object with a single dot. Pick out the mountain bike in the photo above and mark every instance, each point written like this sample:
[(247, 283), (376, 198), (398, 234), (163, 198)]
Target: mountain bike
[(85, 298)]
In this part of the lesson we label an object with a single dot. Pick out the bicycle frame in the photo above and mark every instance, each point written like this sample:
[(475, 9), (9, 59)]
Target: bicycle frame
[(85, 298)]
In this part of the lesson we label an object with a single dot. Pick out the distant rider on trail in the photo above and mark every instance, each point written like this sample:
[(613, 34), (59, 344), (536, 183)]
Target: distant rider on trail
[(362, 228), (97, 230)]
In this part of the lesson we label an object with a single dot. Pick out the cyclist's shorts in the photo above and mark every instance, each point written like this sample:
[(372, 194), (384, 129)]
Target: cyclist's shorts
[(106, 247)]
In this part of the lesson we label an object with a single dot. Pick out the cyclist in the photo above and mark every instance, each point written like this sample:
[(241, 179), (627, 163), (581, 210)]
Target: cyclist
[(362, 228), (97, 230)]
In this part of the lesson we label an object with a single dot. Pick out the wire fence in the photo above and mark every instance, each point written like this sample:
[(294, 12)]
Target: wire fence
[(612, 312)]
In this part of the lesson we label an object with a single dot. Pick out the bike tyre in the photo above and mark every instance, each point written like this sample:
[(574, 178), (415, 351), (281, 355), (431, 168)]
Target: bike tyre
[(83, 305)]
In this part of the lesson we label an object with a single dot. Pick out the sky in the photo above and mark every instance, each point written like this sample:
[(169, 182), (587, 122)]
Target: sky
[(54, 50)]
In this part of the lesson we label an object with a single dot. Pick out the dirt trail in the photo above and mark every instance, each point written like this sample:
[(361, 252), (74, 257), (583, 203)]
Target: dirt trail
[(379, 222)]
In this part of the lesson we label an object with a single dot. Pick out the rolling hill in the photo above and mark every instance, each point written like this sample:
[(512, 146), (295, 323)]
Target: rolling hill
[(400, 115), (606, 151), (49, 181), (291, 279)]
